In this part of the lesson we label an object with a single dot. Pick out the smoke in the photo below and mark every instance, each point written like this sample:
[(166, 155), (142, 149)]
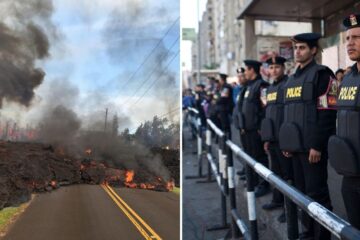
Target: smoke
[(64, 115), (23, 42), (59, 126)]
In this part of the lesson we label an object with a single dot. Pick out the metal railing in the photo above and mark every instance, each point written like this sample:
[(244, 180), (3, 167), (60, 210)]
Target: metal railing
[(223, 171)]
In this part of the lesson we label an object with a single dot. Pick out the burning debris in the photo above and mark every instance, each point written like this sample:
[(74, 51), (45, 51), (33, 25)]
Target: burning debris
[(35, 167), (26, 165)]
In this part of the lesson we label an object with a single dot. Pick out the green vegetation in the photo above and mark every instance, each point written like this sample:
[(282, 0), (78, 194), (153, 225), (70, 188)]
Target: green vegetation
[(8, 214), (176, 190)]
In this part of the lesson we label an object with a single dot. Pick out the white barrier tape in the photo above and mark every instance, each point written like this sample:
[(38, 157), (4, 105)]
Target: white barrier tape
[(193, 110), (231, 177), (241, 225), (321, 213), (213, 167), (208, 137), (263, 170), (220, 159), (218, 179), (198, 122), (199, 144), (251, 205), (224, 165), (216, 129)]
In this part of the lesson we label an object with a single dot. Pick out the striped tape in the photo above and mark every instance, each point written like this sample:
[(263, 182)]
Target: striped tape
[(262, 170), (208, 137), (321, 213), (231, 177), (251, 205)]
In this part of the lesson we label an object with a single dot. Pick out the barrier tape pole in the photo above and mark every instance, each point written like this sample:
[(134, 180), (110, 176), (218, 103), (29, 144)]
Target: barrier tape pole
[(291, 218), (232, 194), (336, 225)]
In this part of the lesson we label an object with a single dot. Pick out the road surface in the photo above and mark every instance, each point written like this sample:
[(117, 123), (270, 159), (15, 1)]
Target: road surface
[(95, 212)]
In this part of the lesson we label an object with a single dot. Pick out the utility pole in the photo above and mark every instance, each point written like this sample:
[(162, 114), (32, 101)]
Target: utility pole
[(106, 114)]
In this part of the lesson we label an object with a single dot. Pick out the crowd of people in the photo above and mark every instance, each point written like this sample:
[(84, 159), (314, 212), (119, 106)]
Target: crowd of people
[(295, 124)]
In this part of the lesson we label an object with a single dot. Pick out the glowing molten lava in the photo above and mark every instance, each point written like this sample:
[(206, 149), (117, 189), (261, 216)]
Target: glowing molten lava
[(129, 177), (170, 185), (88, 151), (53, 184)]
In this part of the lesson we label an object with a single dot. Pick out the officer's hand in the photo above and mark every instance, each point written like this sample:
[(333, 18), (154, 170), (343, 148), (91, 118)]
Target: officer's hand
[(314, 156), (242, 131), (287, 154), (266, 146)]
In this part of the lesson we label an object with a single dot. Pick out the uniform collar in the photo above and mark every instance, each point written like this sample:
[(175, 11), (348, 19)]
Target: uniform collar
[(301, 70), (354, 69), (280, 80), (258, 77)]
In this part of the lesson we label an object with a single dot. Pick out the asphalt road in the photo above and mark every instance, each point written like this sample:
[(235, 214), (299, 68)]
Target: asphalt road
[(94, 212)]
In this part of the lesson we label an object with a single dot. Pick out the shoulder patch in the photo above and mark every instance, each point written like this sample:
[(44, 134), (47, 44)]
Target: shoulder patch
[(329, 98)]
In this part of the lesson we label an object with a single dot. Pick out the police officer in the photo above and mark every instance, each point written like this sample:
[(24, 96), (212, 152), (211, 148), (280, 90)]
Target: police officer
[(225, 105), (270, 127), (199, 100), (344, 148), (251, 107), (309, 120)]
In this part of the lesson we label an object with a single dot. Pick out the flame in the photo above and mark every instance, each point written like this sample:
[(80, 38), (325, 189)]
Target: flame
[(53, 184), (131, 185), (129, 176), (170, 185)]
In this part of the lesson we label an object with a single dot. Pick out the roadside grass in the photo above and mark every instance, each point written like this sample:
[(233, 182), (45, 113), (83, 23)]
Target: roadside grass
[(176, 190), (9, 215)]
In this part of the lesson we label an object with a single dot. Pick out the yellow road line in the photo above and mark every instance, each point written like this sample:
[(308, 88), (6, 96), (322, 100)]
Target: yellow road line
[(136, 224), (155, 235), (131, 214)]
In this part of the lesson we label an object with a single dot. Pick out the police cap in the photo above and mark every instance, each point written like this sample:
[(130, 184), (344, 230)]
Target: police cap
[(252, 63), (310, 38), (352, 21), (223, 76), (276, 60)]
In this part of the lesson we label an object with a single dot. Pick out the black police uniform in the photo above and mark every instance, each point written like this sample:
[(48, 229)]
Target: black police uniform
[(251, 113), (309, 120), (199, 100), (237, 111), (270, 127), (344, 147), (225, 107)]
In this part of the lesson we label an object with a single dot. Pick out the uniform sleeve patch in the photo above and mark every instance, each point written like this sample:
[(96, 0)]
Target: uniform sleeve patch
[(263, 96), (328, 99)]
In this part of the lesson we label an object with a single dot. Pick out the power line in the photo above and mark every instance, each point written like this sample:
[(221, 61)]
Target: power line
[(152, 51), (162, 73), (169, 113), (152, 72)]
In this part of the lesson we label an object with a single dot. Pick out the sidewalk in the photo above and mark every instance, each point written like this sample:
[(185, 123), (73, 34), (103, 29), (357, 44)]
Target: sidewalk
[(201, 201), (202, 204)]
